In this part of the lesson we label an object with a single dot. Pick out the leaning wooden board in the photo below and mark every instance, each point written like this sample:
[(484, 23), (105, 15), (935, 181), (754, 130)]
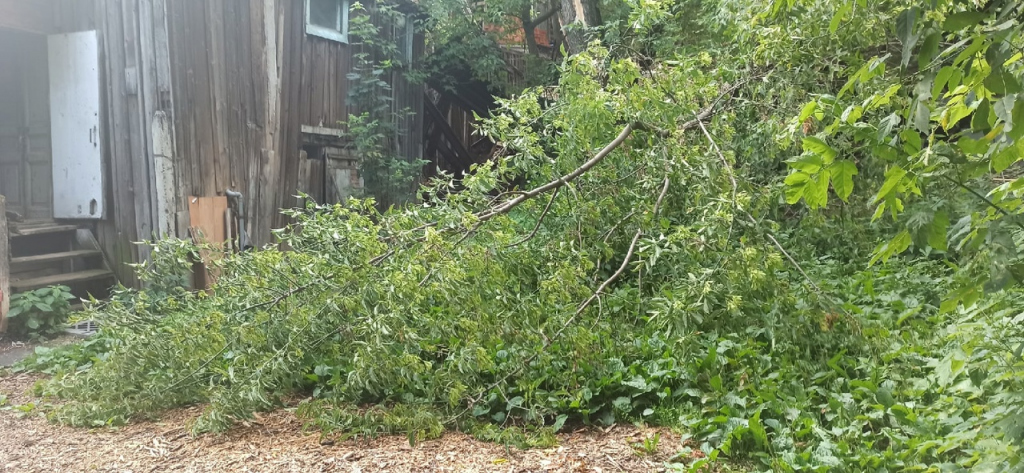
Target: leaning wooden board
[(206, 222)]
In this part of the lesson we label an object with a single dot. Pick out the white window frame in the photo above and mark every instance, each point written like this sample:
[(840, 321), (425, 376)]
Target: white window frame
[(339, 34)]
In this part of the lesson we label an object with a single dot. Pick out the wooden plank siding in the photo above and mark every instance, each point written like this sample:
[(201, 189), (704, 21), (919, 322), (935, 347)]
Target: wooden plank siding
[(205, 96), (135, 71), (246, 77)]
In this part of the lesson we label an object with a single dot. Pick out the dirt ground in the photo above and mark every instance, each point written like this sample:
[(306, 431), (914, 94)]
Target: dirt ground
[(276, 443)]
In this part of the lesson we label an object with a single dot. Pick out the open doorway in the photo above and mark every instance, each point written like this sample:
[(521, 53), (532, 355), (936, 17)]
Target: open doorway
[(26, 171)]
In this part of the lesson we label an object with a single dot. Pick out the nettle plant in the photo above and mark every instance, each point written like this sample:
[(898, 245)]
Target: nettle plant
[(40, 313)]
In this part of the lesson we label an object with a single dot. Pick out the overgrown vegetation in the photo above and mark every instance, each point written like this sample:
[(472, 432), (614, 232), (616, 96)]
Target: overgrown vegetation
[(648, 266)]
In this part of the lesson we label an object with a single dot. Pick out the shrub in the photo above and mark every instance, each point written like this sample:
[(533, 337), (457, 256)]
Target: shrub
[(41, 313)]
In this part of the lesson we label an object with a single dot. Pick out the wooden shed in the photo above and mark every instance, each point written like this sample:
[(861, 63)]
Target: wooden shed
[(116, 115)]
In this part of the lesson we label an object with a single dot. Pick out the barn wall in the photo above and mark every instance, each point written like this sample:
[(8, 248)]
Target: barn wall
[(246, 78), (135, 70)]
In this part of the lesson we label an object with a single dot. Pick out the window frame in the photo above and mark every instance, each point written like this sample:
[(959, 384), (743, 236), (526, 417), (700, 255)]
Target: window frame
[(339, 34)]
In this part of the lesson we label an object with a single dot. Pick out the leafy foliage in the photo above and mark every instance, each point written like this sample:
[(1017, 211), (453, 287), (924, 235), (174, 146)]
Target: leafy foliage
[(40, 313)]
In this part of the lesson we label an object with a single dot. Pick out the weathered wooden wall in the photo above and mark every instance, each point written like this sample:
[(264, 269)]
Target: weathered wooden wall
[(205, 96), (136, 72), (246, 77)]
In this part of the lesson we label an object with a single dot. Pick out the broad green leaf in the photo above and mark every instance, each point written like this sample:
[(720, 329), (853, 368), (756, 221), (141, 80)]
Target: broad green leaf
[(979, 121), (893, 247), (807, 163), (886, 125), (1003, 109), (959, 21), (937, 230), (819, 147), (842, 172), (884, 397), (1017, 117), (1008, 156), (796, 185), (838, 17), (941, 78), (816, 190), (1002, 82), (807, 111), (929, 49), (976, 46), (906, 23), (893, 176), (852, 114), (956, 112), (559, 422), (922, 117), (972, 146)]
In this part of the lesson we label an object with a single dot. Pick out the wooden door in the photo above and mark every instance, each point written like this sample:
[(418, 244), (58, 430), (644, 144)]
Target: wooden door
[(36, 132), (12, 122), (78, 179), (25, 169)]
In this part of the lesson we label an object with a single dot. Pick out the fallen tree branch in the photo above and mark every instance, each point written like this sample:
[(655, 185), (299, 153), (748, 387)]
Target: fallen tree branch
[(539, 220), (548, 341), (753, 221)]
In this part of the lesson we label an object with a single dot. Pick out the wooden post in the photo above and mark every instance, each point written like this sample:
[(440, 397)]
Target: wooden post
[(5, 266)]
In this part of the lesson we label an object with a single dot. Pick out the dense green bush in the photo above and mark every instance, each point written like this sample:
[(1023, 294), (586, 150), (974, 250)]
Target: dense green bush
[(41, 313)]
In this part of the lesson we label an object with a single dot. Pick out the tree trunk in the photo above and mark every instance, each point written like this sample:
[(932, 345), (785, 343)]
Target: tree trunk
[(577, 16), (529, 31)]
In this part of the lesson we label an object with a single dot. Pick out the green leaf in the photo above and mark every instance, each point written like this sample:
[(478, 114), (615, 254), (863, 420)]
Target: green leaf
[(32, 323), (1002, 82), (807, 111), (979, 121), (816, 190), (796, 185), (819, 147), (893, 176), (842, 172), (941, 79), (929, 49), (1007, 156), (852, 114), (959, 21), (937, 231), (807, 163), (838, 17), (1017, 117), (922, 117), (559, 423), (884, 397), (893, 247), (905, 25)]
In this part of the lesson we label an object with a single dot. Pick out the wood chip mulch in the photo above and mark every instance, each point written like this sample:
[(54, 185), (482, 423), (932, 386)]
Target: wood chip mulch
[(275, 442)]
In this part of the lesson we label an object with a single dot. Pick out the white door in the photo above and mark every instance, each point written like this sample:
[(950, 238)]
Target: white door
[(75, 126)]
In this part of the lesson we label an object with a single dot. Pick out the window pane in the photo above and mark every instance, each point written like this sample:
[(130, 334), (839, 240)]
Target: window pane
[(324, 13)]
